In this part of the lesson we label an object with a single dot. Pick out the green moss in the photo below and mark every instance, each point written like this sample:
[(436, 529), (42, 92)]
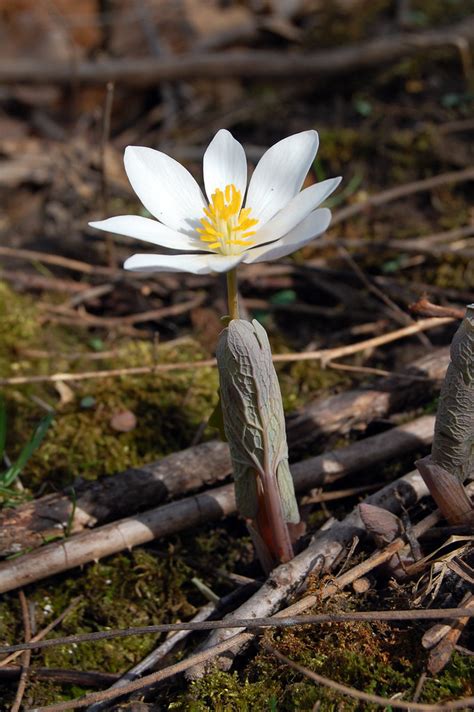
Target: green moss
[(144, 587), (374, 658), (169, 407), (305, 380)]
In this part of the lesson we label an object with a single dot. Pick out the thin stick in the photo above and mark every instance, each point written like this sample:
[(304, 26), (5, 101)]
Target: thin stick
[(326, 355), (323, 355), (426, 308), (401, 191), (150, 71), (338, 494), (59, 261), (128, 320), (398, 314), (85, 678), (375, 371), (26, 655), (253, 624), (43, 633), (365, 696), (157, 654)]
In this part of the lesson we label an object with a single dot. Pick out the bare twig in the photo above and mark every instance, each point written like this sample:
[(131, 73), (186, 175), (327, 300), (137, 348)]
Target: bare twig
[(128, 320), (26, 655), (426, 308), (398, 314), (59, 261), (255, 624), (323, 355), (401, 191), (321, 65), (374, 371), (85, 678)]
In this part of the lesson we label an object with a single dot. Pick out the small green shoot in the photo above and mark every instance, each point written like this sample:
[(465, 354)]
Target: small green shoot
[(10, 475)]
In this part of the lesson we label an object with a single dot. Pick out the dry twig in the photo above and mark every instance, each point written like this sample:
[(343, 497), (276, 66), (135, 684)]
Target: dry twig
[(187, 512), (254, 624), (254, 64), (401, 191), (323, 355), (26, 657)]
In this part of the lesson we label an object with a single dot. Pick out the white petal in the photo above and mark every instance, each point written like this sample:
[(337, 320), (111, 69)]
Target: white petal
[(315, 224), (297, 210), (167, 190), (149, 231), (224, 163), (280, 173), (197, 264)]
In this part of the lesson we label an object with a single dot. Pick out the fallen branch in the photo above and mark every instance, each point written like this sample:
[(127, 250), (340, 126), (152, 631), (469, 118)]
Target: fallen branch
[(87, 319), (202, 508), (84, 678), (253, 64), (29, 525)]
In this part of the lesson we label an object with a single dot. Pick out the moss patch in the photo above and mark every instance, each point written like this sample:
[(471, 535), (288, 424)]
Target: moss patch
[(376, 658)]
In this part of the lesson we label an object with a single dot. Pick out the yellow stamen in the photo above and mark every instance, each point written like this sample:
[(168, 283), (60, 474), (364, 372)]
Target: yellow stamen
[(227, 221)]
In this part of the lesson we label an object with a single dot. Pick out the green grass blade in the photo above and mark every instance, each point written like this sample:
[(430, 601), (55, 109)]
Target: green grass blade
[(30, 447), (3, 426)]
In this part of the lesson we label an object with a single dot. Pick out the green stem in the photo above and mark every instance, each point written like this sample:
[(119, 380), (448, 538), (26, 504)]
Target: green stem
[(233, 294)]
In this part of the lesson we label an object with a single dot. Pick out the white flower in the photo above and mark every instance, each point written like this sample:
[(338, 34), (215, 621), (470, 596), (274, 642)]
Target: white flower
[(278, 217)]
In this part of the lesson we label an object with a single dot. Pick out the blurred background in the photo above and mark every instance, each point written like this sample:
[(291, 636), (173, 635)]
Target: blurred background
[(388, 84)]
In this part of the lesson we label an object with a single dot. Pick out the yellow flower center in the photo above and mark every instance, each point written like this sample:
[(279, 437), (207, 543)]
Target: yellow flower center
[(226, 227)]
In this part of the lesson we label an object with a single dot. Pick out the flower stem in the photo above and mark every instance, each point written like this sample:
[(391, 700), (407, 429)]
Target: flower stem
[(233, 294)]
